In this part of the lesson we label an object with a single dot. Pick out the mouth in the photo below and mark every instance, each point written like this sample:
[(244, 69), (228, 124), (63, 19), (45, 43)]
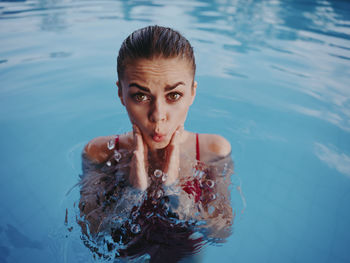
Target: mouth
[(158, 137)]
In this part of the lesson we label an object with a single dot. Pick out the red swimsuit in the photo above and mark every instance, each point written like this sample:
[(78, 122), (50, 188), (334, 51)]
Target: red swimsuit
[(193, 187)]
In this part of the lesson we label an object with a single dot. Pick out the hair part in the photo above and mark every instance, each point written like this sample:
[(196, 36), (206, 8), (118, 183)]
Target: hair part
[(152, 42)]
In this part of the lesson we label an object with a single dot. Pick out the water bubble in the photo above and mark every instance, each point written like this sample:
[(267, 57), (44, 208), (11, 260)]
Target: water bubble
[(110, 145), (201, 184), (96, 182), (159, 193), (166, 206), (210, 183), (108, 163), (212, 196), (135, 214), (158, 173), (164, 177), (117, 156), (135, 228)]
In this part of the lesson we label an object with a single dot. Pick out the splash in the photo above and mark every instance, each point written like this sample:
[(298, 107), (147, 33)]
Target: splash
[(119, 222)]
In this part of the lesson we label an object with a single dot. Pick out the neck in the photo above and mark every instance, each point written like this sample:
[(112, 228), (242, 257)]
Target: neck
[(157, 155), (156, 159)]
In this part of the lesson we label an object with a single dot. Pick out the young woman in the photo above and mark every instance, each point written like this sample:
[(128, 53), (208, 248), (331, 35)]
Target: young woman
[(152, 184)]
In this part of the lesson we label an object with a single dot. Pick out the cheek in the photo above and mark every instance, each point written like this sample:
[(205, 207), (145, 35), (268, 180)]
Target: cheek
[(136, 115), (179, 113)]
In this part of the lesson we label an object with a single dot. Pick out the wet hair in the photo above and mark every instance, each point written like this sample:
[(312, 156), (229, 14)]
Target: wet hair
[(152, 42)]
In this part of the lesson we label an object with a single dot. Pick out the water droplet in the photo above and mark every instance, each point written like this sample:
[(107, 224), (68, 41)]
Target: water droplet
[(117, 156), (108, 163), (135, 228), (164, 177), (158, 173), (210, 183), (111, 145)]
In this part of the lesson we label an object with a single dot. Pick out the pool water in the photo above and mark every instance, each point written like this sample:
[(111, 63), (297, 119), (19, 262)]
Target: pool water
[(273, 79)]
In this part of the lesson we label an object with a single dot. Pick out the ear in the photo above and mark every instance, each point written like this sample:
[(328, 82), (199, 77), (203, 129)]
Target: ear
[(194, 90), (120, 92)]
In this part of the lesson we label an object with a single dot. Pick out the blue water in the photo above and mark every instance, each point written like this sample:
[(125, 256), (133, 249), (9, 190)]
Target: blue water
[(273, 79)]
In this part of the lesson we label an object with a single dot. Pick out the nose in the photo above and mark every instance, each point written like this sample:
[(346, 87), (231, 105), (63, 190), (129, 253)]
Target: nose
[(158, 112)]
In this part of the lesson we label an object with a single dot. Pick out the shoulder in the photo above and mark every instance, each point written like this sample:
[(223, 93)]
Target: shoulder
[(213, 146), (97, 151)]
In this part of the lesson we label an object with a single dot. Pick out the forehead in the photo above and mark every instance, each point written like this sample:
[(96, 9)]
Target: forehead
[(158, 70)]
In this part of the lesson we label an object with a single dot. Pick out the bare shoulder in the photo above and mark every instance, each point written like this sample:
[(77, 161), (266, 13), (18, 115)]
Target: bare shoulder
[(97, 151), (214, 146)]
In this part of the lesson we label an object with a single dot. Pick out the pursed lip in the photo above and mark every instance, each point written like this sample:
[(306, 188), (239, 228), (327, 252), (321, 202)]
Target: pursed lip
[(158, 137)]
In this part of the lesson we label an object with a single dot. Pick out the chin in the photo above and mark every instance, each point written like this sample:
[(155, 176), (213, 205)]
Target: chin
[(158, 145)]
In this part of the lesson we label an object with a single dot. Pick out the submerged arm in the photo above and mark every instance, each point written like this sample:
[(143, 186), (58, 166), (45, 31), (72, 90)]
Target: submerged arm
[(218, 207), (106, 195)]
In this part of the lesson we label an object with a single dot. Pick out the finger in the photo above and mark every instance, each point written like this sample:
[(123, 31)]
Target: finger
[(172, 159), (138, 142), (145, 153), (175, 139)]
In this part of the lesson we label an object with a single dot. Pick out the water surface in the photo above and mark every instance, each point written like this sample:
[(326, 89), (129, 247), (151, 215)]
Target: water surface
[(273, 79)]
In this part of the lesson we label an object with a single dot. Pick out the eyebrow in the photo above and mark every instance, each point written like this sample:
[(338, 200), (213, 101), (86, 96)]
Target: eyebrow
[(167, 88), (139, 87)]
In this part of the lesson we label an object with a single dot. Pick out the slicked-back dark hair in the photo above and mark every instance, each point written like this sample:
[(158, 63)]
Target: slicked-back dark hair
[(151, 42)]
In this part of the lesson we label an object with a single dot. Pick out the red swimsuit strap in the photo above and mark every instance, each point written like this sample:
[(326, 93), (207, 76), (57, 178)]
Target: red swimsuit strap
[(116, 142), (197, 148)]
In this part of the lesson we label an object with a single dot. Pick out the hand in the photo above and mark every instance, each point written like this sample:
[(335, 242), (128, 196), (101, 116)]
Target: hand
[(138, 172), (172, 162)]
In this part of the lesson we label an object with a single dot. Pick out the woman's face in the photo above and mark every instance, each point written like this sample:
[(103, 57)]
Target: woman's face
[(157, 94)]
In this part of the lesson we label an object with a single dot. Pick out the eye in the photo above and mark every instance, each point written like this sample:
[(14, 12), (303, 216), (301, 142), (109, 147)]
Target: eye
[(174, 96), (139, 97)]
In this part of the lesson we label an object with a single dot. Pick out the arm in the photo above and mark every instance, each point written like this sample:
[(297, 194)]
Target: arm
[(105, 192), (220, 210), (217, 205)]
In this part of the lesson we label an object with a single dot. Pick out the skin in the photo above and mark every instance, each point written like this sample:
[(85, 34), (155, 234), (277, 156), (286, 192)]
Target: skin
[(157, 95)]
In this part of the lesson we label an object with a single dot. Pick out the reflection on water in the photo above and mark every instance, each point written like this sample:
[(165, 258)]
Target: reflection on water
[(15, 240), (19, 240), (333, 158)]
